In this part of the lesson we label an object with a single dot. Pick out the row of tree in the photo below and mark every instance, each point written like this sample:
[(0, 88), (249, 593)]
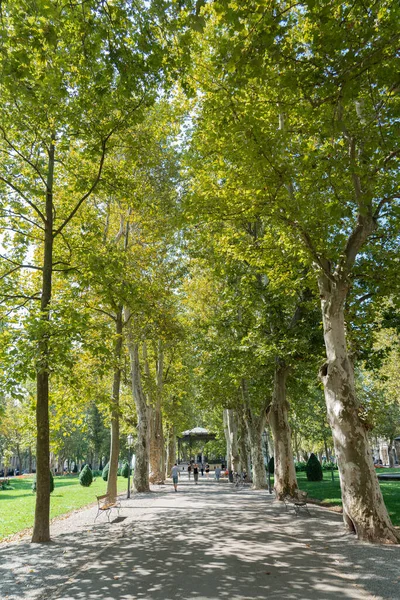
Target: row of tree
[(187, 190)]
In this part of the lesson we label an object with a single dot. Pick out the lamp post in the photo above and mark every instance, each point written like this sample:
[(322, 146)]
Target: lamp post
[(265, 440), (130, 444)]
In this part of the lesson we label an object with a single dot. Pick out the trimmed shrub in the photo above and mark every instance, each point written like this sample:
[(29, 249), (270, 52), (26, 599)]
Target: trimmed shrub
[(97, 472), (105, 472), (125, 470), (51, 484), (271, 465), (75, 469), (86, 476), (300, 466), (314, 469)]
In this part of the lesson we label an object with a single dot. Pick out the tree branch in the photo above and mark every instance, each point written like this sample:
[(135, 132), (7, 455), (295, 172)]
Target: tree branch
[(20, 193), (24, 158), (90, 191)]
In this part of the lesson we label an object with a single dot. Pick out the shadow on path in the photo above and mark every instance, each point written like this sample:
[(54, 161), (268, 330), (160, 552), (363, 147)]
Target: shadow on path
[(203, 543)]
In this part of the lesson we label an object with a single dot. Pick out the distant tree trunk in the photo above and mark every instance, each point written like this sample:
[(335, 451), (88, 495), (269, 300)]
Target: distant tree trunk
[(244, 454), (391, 453), (41, 528), (326, 450), (227, 439), (114, 447), (233, 438), (30, 467), (157, 459), (255, 427), (141, 473), (171, 450), (285, 473), (19, 467), (364, 510)]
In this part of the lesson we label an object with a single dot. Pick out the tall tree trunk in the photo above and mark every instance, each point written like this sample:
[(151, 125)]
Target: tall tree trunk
[(157, 460), (114, 446), (244, 454), (364, 510), (41, 528), (233, 439), (285, 473), (255, 426), (227, 439), (141, 473), (171, 450)]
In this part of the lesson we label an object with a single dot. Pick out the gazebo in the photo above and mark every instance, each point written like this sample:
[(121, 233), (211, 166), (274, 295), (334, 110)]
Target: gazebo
[(193, 435)]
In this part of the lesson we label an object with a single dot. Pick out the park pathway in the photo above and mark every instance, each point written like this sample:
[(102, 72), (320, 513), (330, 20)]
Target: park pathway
[(205, 543)]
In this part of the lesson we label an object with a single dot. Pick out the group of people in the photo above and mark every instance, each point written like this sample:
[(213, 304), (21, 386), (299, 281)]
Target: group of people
[(194, 468)]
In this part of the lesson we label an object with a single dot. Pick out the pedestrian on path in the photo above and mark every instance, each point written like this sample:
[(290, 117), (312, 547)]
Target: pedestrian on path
[(217, 473), (196, 473), (202, 470), (175, 475), (189, 470), (207, 470)]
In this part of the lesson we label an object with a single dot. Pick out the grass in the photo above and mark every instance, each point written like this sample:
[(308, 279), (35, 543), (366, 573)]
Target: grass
[(17, 506), (328, 491)]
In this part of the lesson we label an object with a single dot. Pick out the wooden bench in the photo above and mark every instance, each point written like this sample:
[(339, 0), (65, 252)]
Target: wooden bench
[(297, 503), (104, 505)]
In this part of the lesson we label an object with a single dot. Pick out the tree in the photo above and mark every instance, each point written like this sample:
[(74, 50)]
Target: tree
[(305, 146)]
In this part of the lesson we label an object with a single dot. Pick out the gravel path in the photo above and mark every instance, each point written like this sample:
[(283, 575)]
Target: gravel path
[(204, 542)]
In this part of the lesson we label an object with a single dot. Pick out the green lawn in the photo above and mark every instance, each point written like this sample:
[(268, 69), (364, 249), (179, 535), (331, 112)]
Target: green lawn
[(329, 491), (17, 506)]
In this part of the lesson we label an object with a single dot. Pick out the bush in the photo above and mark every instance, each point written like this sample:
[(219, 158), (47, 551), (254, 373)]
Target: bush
[(105, 472), (125, 470), (327, 465), (119, 472), (75, 469), (51, 484), (86, 476), (300, 466), (314, 469), (271, 465), (97, 472)]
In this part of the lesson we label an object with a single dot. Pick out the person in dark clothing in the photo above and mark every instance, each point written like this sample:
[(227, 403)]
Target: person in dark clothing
[(196, 473)]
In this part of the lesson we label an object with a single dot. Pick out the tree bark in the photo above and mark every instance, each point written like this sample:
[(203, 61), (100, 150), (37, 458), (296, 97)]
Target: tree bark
[(141, 473), (41, 528), (171, 450), (244, 454), (285, 473), (233, 440), (112, 491), (255, 426), (364, 511), (157, 459), (227, 439)]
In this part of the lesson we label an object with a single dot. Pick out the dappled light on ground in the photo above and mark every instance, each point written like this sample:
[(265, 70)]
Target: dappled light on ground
[(204, 542)]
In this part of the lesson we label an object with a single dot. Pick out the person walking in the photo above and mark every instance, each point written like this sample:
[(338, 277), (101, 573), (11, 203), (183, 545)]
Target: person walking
[(217, 472), (202, 470), (175, 475), (196, 473), (189, 470), (207, 470)]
